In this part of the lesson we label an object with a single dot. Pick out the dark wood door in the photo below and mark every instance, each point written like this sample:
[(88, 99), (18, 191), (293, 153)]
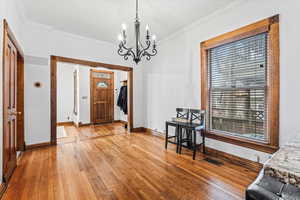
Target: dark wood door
[(102, 96), (9, 108)]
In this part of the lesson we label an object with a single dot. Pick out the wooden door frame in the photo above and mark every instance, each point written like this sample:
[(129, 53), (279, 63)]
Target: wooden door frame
[(91, 92), (53, 91), (20, 84)]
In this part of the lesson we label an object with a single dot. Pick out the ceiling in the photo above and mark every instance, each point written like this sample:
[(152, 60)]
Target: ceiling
[(102, 19)]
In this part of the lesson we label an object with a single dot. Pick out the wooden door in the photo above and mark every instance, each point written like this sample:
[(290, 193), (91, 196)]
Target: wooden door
[(102, 96), (9, 108)]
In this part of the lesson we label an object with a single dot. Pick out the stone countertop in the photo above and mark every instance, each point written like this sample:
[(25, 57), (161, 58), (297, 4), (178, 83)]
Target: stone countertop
[(284, 165)]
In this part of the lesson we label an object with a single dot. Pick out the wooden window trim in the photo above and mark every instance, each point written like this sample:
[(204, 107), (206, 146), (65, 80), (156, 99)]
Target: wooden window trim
[(270, 25)]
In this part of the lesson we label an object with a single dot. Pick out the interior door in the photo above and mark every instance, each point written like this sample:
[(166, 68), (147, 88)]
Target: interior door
[(9, 108), (102, 96)]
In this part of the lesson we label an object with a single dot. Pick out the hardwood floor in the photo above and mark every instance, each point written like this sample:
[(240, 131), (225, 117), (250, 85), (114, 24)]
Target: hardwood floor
[(117, 165), (75, 134)]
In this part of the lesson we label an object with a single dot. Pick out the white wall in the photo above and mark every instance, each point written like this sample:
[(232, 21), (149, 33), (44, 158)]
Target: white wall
[(37, 107), (65, 92), (172, 79)]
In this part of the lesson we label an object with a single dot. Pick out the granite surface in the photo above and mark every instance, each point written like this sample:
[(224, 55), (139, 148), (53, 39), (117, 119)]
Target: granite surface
[(284, 165)]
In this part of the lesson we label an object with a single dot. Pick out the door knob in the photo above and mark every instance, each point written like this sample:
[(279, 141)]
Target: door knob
[(15, 113)]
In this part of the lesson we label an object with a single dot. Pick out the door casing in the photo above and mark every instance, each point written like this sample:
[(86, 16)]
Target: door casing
[(53, 90)]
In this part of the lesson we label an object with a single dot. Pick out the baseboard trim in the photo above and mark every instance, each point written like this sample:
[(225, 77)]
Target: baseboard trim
[(87, 124), (19, 157), (65, 123), (3, 187), (120, 121), (38, 145), (139, 129), (155, 133), (249, 164)]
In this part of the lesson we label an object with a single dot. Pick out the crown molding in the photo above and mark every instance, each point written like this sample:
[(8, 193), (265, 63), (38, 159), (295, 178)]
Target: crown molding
[(202, 20)]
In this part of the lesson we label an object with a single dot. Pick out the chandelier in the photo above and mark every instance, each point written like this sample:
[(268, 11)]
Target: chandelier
[(139, 50)]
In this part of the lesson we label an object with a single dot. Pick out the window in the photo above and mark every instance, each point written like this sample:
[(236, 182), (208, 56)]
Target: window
[(237, 74), (240, 72), (101, 75)]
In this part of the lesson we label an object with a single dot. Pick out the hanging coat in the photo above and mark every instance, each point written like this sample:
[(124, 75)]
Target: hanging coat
[(122, 99)]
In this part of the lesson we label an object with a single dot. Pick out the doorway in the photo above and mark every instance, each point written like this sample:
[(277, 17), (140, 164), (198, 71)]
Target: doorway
[(101, 94), (13, 102)]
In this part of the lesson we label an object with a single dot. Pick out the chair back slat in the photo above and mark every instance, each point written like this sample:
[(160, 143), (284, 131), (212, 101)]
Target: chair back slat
[(197, 116), (182, 113)]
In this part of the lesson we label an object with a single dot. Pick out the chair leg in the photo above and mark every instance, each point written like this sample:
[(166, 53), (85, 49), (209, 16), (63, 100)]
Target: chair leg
[(177, 139), (194, 145), (190, 138), (180, 139), (167, 135), (203, 142)]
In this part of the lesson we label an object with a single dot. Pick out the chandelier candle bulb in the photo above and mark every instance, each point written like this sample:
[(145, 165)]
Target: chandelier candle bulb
[(124, 35), (120, 38), (147, 31), (154, 38)]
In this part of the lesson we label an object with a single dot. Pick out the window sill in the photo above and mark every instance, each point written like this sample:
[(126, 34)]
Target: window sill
[(259, 146)]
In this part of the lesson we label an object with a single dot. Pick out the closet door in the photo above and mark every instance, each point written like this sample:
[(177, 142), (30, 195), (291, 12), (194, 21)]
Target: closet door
[(102, 96)]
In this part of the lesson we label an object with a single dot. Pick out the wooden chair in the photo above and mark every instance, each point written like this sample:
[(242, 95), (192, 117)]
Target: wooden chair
[(196, 125), (181, 114)]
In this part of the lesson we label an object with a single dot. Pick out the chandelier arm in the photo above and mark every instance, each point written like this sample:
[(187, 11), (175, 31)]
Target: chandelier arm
[(148, 43), (122, 45), (149, 55), (142, 52), (128, 51)]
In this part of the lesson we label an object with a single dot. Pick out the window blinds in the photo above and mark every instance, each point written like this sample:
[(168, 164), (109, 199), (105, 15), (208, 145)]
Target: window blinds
[(237, 87)]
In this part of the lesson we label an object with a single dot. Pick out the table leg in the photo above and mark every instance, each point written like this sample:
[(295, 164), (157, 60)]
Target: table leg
[(177, 138), (203, 141), (194, 144), (167, 137), (180, 139)]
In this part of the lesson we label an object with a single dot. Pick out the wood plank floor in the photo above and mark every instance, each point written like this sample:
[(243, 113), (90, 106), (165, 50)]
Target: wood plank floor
[(118, 165)]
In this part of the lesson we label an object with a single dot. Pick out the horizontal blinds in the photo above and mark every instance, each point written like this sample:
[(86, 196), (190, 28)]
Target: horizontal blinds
[(237, 83)]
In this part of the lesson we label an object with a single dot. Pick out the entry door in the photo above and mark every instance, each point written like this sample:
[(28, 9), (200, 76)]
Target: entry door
[(102, 96), (9, 109)]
